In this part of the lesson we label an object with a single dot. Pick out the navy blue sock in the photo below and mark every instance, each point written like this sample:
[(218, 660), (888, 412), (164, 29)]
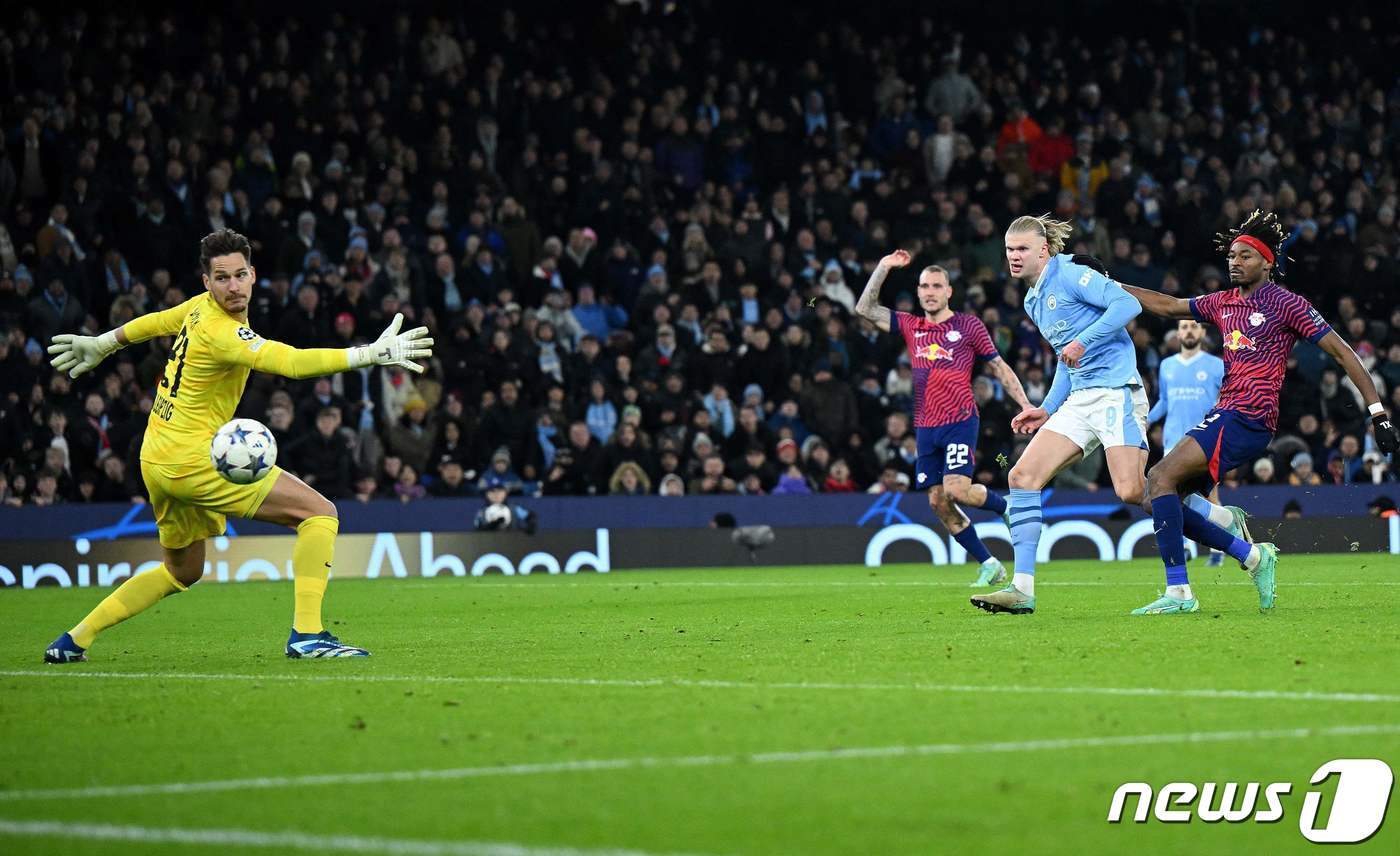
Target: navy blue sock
[(1167, 525), (972, 544), (996, 503), (1202, 531)]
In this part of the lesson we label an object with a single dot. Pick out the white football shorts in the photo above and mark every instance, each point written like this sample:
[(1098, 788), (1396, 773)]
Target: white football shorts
[(1103, 416)]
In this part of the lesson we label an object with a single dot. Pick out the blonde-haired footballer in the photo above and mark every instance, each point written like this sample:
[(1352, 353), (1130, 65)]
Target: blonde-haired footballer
[(204, 378)]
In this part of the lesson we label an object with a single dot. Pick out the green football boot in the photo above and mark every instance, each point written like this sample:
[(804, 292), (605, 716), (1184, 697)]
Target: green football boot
[(1167, 605), (1239, 528), (989, 573), (1009, 599), (1263, 575)]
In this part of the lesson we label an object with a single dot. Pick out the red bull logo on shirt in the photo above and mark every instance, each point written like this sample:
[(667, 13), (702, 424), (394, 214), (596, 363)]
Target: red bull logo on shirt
[(1237, 341), (935, 351)]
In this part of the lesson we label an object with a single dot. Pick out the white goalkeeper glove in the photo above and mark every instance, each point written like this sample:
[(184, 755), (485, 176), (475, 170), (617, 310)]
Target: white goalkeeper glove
[(393, 348), (81, 354)]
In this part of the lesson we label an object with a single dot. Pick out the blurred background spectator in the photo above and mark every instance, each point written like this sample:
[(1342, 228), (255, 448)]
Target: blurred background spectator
[(638, 231)]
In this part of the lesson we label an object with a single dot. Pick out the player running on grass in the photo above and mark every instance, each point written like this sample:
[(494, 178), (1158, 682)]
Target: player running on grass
[(203, 381), (1096, 398), (943, 346), (1188, 383), (1260, 322)]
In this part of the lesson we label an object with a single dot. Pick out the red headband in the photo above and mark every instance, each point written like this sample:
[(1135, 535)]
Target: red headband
[(1258, 245)]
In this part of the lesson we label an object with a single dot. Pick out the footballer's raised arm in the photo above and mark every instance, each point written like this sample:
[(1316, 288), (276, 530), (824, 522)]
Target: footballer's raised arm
[(77, 354), (296, 363), (240, 346), (392, 348), (167, 322), (868, 306)]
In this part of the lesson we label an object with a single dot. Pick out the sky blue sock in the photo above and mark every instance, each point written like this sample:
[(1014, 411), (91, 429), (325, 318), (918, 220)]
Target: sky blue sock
[(995, 503), (972, 544), (1198, 504), (1025, 528), (1202, 531), (1167, 526)]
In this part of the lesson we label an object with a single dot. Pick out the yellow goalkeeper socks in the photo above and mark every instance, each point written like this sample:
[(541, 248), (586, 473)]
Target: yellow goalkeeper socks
[(137, 594), (311, 565)]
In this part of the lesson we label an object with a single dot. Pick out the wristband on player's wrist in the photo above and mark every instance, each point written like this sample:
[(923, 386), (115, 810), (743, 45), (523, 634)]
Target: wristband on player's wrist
[(1376, 408)]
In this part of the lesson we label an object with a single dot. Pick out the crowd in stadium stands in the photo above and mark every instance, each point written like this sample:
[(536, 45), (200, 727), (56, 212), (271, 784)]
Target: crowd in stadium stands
[(639, 248)]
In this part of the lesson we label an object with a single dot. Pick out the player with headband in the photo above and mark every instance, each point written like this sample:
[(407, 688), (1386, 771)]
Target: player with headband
[(1259, 322)]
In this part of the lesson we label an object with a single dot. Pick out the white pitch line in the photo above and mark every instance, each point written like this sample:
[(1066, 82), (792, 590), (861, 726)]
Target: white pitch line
[(607, 764), (287, 840), (701, 683)]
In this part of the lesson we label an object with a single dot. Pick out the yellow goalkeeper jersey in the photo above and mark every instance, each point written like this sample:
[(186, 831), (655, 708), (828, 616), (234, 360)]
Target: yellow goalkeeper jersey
[(206, 374)]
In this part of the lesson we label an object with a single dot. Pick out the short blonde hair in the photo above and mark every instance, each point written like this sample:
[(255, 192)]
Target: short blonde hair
[(1055, 232)]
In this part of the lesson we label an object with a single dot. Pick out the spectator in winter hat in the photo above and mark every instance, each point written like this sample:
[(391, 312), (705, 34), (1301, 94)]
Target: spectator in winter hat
[(1302, 471), (671, 485)]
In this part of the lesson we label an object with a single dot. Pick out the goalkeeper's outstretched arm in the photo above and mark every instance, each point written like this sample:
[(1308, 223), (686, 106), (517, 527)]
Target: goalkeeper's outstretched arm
[(392, 348), (81, 354)]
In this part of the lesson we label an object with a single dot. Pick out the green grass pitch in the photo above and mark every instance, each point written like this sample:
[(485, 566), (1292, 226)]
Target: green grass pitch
[(838, 710)]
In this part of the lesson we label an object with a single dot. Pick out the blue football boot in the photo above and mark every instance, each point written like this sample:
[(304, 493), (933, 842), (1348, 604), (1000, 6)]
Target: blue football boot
[(321, 644), (64, 650)]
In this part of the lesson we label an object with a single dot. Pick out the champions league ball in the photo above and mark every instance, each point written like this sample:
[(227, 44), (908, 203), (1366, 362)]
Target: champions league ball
[(243, 451)]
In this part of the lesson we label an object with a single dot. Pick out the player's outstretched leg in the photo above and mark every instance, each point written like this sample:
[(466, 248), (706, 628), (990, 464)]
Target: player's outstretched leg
[(293, 503), (1019, 597), (1230, 517), (1167, 524), (1215, 526), (1239, 526), (1048, 453), (981, 496), (945, 499), (137, 594), (1199, 519), (1259, 560)]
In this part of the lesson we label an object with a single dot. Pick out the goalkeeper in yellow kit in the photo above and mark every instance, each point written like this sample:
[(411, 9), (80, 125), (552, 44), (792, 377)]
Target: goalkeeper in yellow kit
[(208, 367)]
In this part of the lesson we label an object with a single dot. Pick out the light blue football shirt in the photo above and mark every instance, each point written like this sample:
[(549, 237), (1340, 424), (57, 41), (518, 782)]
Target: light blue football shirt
[(1186, 391), (1071, 302)]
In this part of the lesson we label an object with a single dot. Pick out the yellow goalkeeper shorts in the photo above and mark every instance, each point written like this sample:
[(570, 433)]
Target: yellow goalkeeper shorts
[(191, 505)]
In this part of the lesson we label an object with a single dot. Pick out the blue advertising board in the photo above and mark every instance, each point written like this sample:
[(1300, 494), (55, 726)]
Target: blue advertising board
[(108, 521)]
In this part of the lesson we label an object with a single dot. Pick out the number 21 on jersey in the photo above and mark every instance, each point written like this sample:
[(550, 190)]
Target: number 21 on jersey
[(177, 360)]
